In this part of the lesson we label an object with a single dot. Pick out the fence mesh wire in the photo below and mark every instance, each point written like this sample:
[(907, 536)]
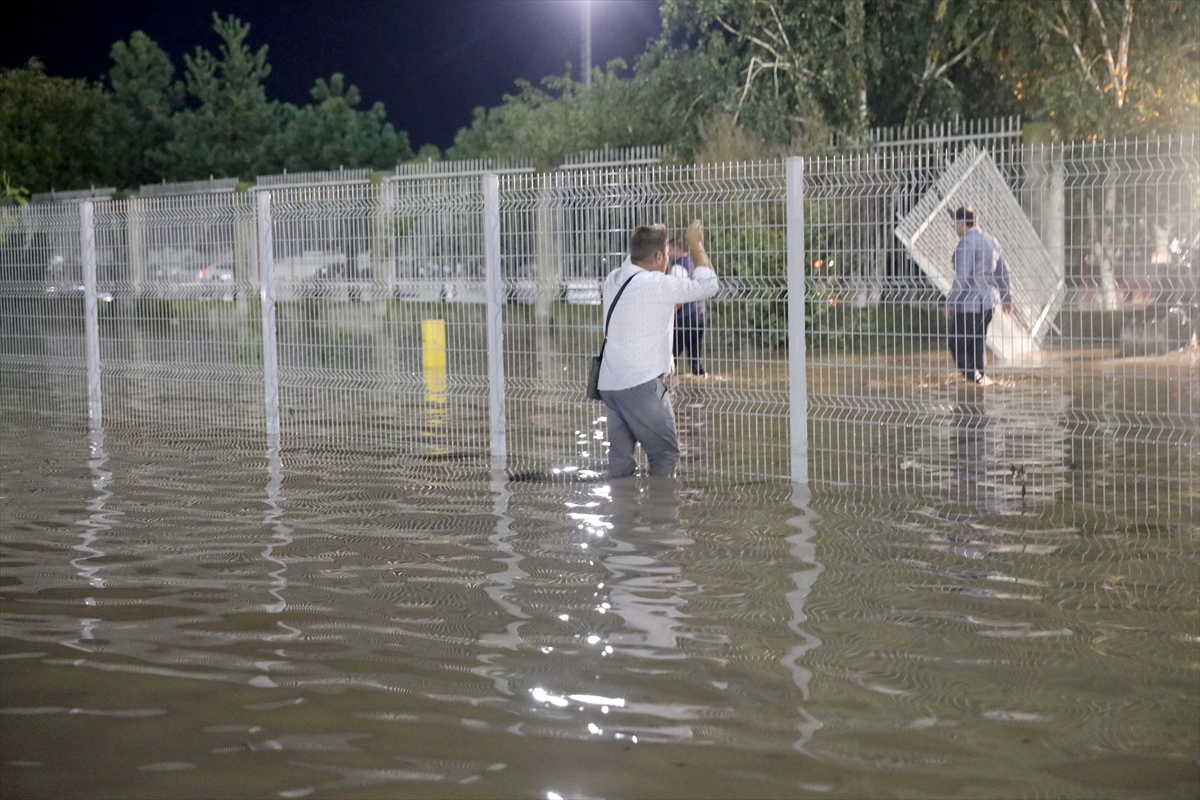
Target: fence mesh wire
[(382, 353), (180, 333), (1097, 387), (41, 310), (563, 232), (382, 306)]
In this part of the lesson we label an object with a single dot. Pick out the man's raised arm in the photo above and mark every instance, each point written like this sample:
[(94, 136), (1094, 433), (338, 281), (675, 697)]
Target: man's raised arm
[(705, 283), (695, 242)]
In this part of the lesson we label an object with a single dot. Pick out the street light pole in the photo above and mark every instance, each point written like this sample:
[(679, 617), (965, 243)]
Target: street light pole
[(585, 59)]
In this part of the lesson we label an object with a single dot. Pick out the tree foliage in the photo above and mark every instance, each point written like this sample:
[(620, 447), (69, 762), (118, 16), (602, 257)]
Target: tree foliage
[(1102, 67), (563, 116), (231, 130), (142, 99), (806, 60), (145, 125), (48, 129), (332, 132), (759, 77), (727, 79)]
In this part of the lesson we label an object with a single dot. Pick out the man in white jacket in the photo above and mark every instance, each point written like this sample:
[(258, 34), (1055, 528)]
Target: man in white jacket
[(638, 357)]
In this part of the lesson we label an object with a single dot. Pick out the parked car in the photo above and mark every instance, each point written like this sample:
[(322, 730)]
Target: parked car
[(217, 283), (58, 285)]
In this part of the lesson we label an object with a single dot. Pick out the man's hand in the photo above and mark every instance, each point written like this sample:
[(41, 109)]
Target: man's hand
[(946, 312), (695, 242), (1007, 307)]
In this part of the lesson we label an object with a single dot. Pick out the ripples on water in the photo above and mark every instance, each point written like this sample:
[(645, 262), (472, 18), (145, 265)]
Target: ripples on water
[(187, 620)]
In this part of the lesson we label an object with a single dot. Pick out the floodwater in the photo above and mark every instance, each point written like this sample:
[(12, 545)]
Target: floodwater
[(190, 618)]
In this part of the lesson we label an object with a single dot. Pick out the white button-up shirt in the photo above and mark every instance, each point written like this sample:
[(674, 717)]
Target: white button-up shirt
[(639, 335)]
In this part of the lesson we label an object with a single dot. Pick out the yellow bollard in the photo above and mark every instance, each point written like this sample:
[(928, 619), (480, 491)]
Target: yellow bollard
[(433, 358)]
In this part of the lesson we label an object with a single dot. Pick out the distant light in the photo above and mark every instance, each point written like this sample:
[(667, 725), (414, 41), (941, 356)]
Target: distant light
[(542, 696)]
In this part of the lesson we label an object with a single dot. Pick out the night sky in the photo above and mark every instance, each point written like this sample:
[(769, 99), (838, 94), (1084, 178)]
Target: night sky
[(431, 63)]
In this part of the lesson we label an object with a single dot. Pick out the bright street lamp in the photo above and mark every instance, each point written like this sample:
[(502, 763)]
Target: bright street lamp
[(585, 56)]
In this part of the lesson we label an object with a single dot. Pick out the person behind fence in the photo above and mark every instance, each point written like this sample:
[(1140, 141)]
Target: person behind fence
[(689, 317), (637, 356), (980, 283)]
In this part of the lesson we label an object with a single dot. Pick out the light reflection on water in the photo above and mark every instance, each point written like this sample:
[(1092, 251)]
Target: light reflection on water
[(183, 620)]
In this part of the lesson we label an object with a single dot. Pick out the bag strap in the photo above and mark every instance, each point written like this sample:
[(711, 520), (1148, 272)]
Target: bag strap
[(608, 318), (612, 307)]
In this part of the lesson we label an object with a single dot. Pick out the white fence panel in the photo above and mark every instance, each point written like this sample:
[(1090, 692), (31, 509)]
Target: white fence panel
[(443, 320)]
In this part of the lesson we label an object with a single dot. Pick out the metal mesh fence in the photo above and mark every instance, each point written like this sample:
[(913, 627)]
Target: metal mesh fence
[(380, 321), (180, 350), (563, 232), (42, 340), (444, 319), (1097, 381)]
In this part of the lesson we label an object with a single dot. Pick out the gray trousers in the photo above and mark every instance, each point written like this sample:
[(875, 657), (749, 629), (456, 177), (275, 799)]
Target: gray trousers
[(642, 414)]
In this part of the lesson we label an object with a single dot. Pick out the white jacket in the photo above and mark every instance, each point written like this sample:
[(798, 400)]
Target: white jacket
[(639, 336)]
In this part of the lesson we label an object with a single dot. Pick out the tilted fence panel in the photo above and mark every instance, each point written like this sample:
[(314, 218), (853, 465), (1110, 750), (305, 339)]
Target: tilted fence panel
[(973, 182)]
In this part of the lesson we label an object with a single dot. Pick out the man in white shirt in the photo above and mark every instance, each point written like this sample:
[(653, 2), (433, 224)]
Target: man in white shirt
[(638, 355)]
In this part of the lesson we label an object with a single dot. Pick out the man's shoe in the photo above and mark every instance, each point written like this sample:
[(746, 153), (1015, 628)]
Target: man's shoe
[(699, 372), (984, 380)]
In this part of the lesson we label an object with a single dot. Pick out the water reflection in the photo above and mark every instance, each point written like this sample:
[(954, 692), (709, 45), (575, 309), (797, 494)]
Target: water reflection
[(501, 589), (632, 610), (811, 645), (643, 588), (281, 539), (100, 519), (998, 451), (804, 551), (975, 445), (675, 641), (91, 540)]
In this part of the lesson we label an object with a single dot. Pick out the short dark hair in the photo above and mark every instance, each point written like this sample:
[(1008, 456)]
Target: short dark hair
[(965, 214), (646, 243)]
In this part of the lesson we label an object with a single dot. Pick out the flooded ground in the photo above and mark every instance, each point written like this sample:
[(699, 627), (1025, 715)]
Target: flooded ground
[(184, 618)]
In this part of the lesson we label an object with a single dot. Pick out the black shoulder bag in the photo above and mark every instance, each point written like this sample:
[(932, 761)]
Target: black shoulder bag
[(593, 385)]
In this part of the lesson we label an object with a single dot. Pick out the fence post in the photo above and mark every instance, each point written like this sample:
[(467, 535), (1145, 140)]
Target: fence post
[(797, 357), (495, 319), (91, 311), (266, 278)]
